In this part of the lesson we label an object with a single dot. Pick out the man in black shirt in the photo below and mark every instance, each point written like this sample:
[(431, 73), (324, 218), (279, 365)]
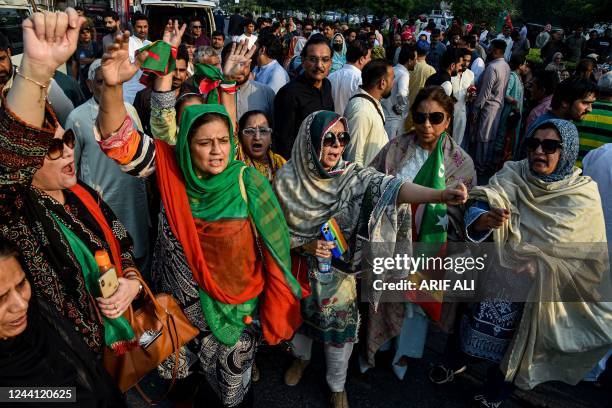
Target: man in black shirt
[(308, 93), (450, 64), (235, 24)]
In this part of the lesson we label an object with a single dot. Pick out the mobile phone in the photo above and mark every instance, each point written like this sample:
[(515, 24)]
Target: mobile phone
[(331, 232), (108, 283)]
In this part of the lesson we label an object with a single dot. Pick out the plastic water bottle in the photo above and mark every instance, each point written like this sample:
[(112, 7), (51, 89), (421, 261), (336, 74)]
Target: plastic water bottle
[(324, 266)]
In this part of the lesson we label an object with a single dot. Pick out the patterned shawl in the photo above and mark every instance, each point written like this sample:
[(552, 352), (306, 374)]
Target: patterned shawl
[(458, 165), (309, 195)]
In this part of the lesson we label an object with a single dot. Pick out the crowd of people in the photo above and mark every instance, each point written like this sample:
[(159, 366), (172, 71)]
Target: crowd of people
[(207, 168)]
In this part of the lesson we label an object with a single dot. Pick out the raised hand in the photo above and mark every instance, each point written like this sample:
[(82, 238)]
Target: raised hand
[(49, 39), (116, 65), (174, 36), (238, 59), (455, 195)]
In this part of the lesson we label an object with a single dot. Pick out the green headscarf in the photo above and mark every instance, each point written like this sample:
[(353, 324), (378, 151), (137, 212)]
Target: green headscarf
[(215, 197)]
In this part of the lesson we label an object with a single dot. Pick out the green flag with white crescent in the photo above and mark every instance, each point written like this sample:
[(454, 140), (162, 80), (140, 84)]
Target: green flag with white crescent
[(431, 220)]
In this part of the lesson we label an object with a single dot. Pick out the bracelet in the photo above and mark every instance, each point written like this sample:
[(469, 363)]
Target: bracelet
[(441, 196), (43, 87), (228, 87)]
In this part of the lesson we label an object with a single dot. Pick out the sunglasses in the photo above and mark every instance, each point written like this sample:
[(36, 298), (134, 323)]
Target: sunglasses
[(252, 131), (196, 26), (330, 139), (435, 118), (56, 149), (548, 146)]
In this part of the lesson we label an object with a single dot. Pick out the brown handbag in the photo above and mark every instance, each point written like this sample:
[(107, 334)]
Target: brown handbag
[(161, 328)]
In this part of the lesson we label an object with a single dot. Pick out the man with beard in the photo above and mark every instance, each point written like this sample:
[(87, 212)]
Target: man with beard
[(573, 100), (364, 113), (112, 27), (450, 65), (142, 102), (250, 95), (62, 106), (311, 91), (123, 193), (489, 103)]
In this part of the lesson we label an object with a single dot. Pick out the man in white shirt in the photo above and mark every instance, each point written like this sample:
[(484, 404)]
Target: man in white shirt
[(112, 25), (346, 80), (461, 83), (395, 107), (249, 29), (140, 27), (268, 70), (364, 113)]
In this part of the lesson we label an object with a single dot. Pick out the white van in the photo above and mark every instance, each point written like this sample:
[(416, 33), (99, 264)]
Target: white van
[(12, 14), (160, 11)]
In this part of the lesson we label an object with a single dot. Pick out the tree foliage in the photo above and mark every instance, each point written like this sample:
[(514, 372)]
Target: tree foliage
[(482, 10)]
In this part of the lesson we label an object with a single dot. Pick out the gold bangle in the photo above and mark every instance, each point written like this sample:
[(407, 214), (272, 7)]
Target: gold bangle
[(44, 87)]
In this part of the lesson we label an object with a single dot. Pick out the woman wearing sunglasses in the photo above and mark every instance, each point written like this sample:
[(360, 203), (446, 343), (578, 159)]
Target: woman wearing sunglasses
[(256, 142), (406, 157), (313, 187), (58, 223), (547, 227)]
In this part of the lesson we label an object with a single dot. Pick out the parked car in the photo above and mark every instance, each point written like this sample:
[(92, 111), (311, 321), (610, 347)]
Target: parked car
[(12, 14), (160, 11)]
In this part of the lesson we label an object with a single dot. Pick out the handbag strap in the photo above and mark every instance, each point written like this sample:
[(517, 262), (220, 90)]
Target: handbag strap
[(369, 98)]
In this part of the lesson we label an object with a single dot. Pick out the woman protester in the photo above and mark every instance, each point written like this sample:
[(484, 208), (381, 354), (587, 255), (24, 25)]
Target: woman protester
[(56, 222), (40, 348), (223, 246), (339, 57), (313, 187), (547, 227), (256, 141), (405, 157)]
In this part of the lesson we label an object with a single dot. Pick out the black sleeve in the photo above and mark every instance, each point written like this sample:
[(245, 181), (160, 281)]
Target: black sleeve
[(284, 122)]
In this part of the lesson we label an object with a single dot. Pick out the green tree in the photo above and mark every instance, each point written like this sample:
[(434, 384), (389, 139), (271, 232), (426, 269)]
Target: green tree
[(482, 10)]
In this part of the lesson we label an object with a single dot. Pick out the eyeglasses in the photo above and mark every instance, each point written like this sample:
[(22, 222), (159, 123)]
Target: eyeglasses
[(330, 139), (314, 60), (435, 118), (549, 146), (196, 26), (56, 149), (252, 131)]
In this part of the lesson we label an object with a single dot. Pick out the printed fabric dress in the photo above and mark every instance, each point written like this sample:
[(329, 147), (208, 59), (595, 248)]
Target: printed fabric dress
[(361, 200), (226, 263)]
